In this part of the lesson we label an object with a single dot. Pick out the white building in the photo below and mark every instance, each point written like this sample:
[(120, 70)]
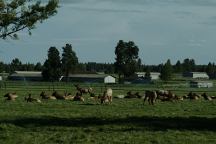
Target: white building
[(196, 75), (154, 75), (109, 80), (201, 84)]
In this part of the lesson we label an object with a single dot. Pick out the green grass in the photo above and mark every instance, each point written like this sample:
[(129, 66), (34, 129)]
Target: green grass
[(124, 121)]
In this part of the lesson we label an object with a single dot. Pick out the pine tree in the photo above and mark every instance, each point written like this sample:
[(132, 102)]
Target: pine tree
[(52, 66), (69, 60), (166, 72), (148, 74)]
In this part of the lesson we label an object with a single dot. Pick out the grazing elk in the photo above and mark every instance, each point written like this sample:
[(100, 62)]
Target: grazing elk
[(10, 96), (83, 90), (108, 94)]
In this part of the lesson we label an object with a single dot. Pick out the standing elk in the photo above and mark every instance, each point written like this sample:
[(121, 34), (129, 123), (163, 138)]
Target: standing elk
[(151, 96)]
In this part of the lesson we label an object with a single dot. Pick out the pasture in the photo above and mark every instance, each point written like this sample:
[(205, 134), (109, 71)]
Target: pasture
[(124, 121)]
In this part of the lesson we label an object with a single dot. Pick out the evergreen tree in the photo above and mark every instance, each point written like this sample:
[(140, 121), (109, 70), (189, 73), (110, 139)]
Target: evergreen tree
[(178, 67), (52, 66), (148, 74), (15, 65), (17, 15), (210, 69), (69, 60), (166, 72), (189, 65), (1, 67), (38, 67)]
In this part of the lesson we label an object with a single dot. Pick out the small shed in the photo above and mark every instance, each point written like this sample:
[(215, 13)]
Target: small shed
[(201, 84), (109, 80)]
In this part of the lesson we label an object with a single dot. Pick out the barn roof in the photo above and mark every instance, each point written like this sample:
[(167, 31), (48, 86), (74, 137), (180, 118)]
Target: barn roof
[(88, 75), (27, 73)]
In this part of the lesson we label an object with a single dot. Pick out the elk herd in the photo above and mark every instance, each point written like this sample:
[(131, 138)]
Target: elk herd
[(106, 96)]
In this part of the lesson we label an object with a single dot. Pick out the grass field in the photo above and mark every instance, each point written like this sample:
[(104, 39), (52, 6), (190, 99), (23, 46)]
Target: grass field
[(124, 121)]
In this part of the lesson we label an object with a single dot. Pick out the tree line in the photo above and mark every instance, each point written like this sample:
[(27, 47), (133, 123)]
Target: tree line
[(127, 62)]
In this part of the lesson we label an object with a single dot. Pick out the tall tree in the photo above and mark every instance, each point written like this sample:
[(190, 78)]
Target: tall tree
[(178, 67), (52, 66), (148, 74), (38, 67), (17, 15), (119, 64), (1, 67), (69, 60), (210, 69), (126, 58), (166, 72), (189, 65), (15, 65)]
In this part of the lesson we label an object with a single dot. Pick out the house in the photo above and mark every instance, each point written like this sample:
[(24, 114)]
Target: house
[(26, 76), (154, 75), (196, 75), (90, 78), (201, 84)]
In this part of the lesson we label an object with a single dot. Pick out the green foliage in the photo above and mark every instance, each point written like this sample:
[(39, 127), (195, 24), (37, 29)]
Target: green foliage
[(126, 58), (69, 60), (17, 15), (52, 66), (166, 72)]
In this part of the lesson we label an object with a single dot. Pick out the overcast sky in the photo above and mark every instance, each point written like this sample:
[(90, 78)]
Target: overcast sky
[(162, 29)]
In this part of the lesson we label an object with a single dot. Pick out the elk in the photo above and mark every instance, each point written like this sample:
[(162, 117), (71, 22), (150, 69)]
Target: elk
[(78, 97), (193, 96), (206, 97), (44, 96), (30, 99), (83, 90), (10, 96), (151, 96), (58, 95)]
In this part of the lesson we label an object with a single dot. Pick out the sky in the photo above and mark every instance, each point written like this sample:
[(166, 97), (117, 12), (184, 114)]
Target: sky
[(162, 29)]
